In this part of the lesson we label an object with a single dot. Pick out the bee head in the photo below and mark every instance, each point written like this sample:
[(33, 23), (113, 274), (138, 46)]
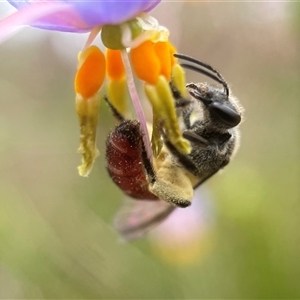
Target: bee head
[(216, 101)]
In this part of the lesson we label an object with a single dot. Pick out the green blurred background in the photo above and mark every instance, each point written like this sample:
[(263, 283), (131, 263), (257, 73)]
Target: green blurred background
[(56, 238)]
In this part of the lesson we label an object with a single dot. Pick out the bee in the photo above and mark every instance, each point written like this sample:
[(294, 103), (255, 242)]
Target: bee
[(209, 119)]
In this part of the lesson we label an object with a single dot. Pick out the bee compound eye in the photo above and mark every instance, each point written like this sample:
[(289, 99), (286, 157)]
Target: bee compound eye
[(225, 114)]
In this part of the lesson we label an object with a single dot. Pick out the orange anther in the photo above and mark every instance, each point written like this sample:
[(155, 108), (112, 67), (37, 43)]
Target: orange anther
[(163, 53), (114, 64), (145, 62), (91, 72)]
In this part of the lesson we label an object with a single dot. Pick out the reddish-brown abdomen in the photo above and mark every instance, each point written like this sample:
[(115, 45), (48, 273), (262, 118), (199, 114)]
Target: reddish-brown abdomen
[(124, 160)]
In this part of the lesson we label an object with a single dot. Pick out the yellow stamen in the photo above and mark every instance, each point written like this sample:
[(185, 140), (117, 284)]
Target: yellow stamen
[(178, 79), (87, 111), (162, 101), (88, 81), (157, 124), (117, 95), (91, 72)]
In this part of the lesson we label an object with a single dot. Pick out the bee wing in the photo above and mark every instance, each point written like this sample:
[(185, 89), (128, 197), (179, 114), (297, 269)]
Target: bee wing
[(136, 217)]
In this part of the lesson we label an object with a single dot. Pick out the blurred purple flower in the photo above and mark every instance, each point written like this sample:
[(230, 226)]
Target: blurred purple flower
[(72, 15), (185, 237)]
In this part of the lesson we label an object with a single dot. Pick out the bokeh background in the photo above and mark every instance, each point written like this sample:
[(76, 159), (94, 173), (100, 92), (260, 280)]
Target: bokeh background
[(241, 237)]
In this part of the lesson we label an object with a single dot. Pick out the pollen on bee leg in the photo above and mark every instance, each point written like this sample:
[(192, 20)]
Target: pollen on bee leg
[(172, 185), (162, 102), (88, 81)]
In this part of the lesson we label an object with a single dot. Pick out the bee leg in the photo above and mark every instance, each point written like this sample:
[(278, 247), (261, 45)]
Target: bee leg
[(148, 166), (182, 104), (183, 159), (114, 111), (195, 138), (172, 185), (188, 164), (168, 183)]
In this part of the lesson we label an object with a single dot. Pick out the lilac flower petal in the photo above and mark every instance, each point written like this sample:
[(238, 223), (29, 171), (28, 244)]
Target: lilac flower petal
[(111, 11), (51, 15), (25, 16), (82, 16)]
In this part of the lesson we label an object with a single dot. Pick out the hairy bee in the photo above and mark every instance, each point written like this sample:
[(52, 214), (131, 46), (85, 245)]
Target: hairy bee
[(208, 120)]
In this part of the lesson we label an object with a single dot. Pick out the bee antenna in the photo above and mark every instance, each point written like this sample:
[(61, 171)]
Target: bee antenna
[(215, 76)]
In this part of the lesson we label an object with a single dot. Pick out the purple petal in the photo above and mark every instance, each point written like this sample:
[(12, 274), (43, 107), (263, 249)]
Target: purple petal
[(83, 16), (25, 16)]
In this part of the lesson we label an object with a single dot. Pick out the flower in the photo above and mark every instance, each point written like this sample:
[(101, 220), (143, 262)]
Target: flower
[(186, 237), (126, 29), (78, 16)]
